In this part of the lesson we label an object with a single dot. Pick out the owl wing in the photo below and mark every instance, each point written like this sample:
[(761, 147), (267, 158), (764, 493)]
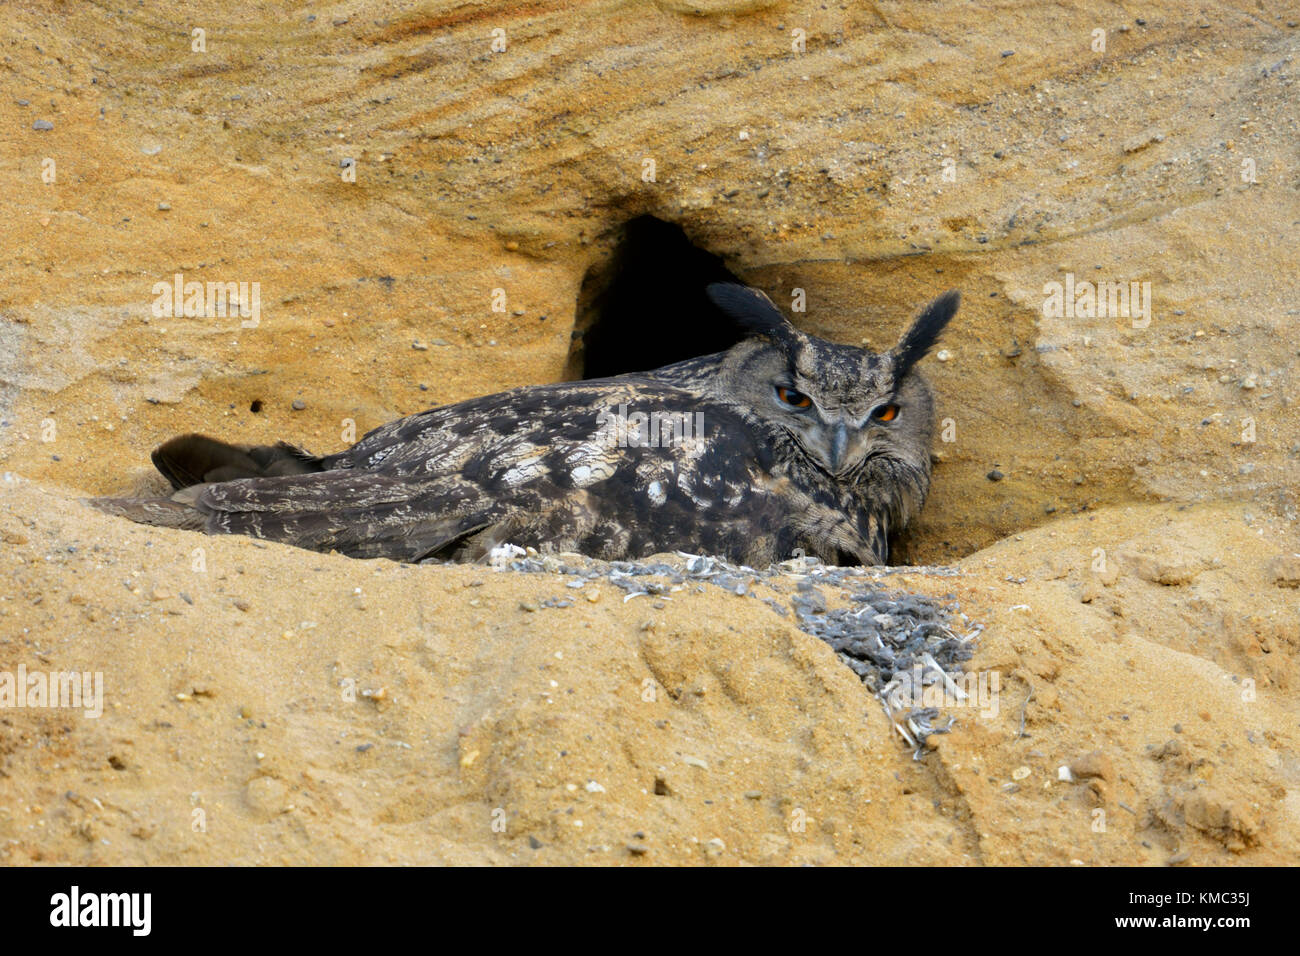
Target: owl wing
[(540, 466)]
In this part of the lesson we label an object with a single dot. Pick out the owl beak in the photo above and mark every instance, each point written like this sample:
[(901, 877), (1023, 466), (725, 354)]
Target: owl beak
[(839, 447)]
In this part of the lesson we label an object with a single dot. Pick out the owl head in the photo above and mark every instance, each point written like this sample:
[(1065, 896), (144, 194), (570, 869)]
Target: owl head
[(845, 407)]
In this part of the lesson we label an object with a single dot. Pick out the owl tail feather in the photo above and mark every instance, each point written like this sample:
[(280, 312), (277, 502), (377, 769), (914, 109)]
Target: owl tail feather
[(191, 463), (160, 512), (197, 459)]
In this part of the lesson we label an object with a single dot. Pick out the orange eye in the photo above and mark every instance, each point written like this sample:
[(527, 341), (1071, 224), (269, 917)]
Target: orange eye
[(885, 413), (792, 398)]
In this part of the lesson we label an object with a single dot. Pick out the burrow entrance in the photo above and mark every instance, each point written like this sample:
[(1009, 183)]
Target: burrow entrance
[(645, 306)]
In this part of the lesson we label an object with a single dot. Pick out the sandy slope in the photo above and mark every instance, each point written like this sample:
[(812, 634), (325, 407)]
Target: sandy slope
[(319, 709)]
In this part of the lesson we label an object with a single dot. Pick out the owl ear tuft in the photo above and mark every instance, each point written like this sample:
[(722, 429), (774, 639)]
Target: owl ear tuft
[(751, 309), (925, 331)]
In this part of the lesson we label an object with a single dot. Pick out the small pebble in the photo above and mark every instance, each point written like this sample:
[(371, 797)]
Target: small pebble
[(43, 126)]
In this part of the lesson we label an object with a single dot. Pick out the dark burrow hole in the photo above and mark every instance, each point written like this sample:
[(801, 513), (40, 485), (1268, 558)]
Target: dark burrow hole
[(256, 406), (645, 307)]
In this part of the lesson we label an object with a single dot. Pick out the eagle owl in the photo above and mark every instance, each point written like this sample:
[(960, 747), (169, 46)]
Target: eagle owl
[(785, 441)]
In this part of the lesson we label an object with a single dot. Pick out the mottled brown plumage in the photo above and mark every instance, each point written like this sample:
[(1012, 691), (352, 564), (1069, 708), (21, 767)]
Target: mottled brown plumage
[(783, 442)]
